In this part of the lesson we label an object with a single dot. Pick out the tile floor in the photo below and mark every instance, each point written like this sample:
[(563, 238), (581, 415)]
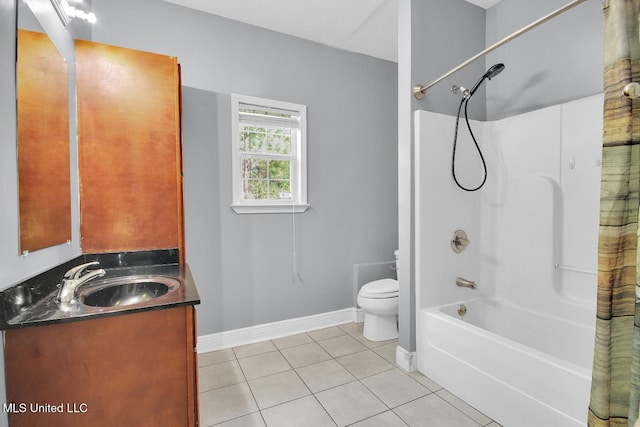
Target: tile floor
[(329, 377)]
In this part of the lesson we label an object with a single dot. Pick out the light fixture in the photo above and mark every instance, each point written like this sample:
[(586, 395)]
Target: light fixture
[(66, 11), (75, 12)]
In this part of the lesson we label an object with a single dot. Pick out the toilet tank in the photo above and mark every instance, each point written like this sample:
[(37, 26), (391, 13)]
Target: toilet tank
[(368, 272)]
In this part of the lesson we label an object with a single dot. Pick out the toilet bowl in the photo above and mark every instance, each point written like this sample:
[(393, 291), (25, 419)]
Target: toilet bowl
[(379, 300)]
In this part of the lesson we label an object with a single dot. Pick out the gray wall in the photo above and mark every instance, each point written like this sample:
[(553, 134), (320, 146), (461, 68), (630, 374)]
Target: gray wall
[(243, 263), (559, 61), (444, 34), (434, 36), (406, 282)]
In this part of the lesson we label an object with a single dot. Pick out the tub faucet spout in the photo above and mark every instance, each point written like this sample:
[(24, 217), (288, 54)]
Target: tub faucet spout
[(464, 283)]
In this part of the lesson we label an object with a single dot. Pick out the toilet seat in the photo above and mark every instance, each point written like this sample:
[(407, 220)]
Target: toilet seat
[(379, 289)]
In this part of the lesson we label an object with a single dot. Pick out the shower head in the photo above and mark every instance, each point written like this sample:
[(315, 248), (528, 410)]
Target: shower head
[(494, 71), (491, 73)]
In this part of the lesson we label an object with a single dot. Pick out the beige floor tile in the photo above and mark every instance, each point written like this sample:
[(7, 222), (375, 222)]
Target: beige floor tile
[(219, 375), (386, 419), (253, 349), (388, 352), (278, 388), (213, 357), (324, 375), (226, 403), (251, 420), (263, 364), (342, 345), (364, 364), (425, 381), (352, 327), (350, 403), (292, 341), (326, 333), (373, 344), (394, 387), (464, 407), (355, 388), (431, 410), (305, 354), (304, 412)]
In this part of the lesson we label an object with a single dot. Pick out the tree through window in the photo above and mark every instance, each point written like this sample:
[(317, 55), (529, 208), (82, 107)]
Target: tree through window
[(269, 155)]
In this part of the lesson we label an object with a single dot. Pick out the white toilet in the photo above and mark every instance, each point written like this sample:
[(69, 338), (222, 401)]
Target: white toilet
[(379, 300)]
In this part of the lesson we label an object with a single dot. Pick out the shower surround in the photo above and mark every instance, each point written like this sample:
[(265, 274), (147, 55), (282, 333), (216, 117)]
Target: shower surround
[(533, 230)]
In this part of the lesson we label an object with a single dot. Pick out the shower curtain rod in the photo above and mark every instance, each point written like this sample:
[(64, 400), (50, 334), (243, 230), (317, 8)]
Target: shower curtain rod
[(419, 90)]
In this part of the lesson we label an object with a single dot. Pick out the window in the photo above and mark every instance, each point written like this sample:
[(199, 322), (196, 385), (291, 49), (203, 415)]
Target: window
[(269, 156)]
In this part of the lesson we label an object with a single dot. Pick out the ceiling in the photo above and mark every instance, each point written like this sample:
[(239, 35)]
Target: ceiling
[(369, 27)]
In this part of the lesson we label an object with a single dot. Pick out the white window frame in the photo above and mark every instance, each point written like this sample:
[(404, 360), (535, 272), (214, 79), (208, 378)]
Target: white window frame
[(298, 202)]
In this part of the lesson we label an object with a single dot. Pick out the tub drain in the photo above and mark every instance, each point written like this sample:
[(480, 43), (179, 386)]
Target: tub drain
[(462, 309)]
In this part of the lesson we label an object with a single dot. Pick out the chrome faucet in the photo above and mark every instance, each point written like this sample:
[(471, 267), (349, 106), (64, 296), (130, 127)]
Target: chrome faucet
[(74, 278), (465, 283)]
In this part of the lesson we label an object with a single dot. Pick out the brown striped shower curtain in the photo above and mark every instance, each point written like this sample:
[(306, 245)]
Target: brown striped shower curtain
[(615, 389)]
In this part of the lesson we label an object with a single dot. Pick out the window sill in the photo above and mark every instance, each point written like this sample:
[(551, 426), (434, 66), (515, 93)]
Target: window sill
[(268, 209)]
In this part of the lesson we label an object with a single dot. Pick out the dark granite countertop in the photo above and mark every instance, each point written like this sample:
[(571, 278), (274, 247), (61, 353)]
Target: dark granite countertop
[(33, 301)]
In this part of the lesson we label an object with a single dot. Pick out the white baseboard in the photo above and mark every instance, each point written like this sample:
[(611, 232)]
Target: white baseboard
[(407, 360), (269, 331)]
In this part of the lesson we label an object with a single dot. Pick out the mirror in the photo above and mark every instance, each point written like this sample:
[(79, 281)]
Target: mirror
[(43, 136)]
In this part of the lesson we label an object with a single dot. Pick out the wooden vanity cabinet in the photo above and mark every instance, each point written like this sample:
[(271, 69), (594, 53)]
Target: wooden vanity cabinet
[(134, 369), (129, 149)]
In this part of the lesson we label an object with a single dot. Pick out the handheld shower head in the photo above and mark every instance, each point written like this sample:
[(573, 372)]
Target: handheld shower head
[(491, 73), (466, 96), (494, 71)]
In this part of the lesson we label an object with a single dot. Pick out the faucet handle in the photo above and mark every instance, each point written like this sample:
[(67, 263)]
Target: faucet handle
[(76, 272), (460, 241)]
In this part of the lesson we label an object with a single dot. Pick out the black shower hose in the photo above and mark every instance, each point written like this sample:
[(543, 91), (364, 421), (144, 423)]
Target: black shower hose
[(465, 101)]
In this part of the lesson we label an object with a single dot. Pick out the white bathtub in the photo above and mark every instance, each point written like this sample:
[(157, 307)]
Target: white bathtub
[(520, 367)]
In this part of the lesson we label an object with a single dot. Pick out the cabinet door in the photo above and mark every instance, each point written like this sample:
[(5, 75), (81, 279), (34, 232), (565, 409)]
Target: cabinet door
[(125, 370), (129, 150)]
